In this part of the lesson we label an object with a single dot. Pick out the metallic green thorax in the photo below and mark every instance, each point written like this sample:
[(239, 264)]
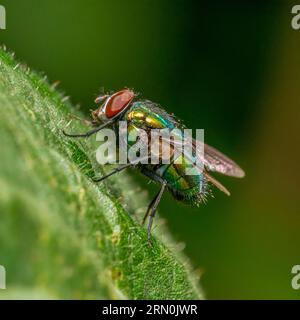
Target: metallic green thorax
[(188, 188)]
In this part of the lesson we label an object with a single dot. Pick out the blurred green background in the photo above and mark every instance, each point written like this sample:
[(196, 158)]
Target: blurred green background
[(231, 68)]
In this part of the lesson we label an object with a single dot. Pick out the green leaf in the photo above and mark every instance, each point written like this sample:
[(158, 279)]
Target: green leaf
[(61, 235)]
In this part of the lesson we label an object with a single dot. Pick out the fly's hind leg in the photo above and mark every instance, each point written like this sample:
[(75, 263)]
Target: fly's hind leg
[(152, 209), (148, 210)]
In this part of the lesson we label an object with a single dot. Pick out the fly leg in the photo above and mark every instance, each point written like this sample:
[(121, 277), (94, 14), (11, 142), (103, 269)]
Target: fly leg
[(89, 133), (154, 207), (113, 172), (84, 121), (120, 168), (148, 210)]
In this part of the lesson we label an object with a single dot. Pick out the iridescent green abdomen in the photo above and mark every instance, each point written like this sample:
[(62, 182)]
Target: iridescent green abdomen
[(190, 187)]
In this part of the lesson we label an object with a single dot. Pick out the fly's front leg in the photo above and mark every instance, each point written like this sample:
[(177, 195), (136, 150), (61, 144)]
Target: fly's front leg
[(89, 133), (84, 121)]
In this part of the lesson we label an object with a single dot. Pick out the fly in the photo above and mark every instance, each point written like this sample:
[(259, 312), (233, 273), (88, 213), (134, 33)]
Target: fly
[(144, 114)]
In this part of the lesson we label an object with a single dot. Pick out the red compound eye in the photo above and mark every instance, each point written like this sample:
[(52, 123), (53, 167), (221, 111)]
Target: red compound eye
[(118, 102)]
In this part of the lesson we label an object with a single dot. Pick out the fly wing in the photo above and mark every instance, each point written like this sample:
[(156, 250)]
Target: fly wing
[(210, 158), (216, 183), (216, 161)]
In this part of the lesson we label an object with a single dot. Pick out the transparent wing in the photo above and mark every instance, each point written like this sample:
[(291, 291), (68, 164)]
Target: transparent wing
[(216, 161), (216, 183), (210, 158)]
